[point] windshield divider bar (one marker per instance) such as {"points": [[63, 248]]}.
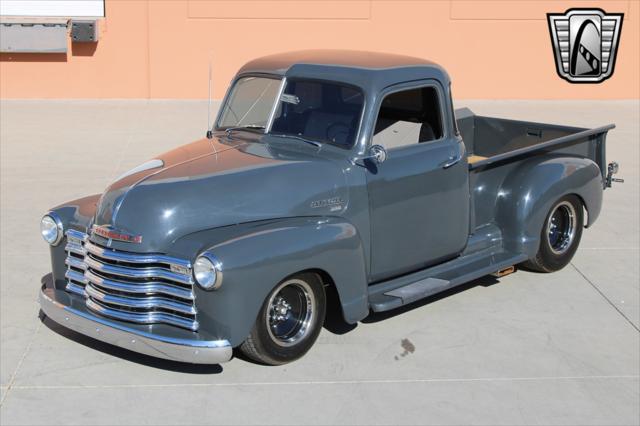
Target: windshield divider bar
{"points": [[272, 115]]}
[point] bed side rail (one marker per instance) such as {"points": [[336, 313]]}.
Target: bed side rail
{"points": [[598, 135]]}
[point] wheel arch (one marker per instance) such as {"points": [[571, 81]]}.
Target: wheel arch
{"points": [[335, 310], [589, 218]]}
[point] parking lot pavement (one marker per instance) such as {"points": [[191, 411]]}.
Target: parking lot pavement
{"points": [[528, 348]]}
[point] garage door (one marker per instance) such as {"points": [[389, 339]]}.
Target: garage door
{"points": [[62, 8]]}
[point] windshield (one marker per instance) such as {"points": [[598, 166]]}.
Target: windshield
{"points": [[310, 109], [250, 103]]}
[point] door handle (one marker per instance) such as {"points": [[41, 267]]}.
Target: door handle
{"points": [[452, 161]]}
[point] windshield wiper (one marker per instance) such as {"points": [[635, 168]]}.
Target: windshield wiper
{"points": [[229, 130], [300, 138]]}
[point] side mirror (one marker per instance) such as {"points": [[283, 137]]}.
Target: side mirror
{"points": [[378, 154]]}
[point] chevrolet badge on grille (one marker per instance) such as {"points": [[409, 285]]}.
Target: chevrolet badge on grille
{"points": [[110, 233]]}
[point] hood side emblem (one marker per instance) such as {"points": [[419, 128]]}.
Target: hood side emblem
{"points": [[111, 233], [334, 203]]}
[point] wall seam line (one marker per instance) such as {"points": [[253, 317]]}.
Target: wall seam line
{"points": [[148, 49]]}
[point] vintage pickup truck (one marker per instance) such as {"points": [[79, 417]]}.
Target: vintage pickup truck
{"points": [[326, 172]]}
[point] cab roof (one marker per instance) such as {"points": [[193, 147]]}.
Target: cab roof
{"points": [[368, 70]]}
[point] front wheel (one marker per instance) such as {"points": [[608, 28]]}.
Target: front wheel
{"points": [[289, 321], [560, 235]]}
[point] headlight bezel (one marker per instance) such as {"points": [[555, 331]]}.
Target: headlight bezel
{"points": [[214, 265], [59, 227]]}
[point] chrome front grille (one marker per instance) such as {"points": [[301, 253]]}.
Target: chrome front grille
{"points": [[140, 288]]}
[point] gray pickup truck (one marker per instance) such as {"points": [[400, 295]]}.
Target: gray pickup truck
{"points": [[328, 175]]}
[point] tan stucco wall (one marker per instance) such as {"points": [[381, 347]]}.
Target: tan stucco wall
{"points": [[161, 48]]}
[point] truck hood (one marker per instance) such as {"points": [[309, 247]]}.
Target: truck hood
{"points": [[219, 182]]}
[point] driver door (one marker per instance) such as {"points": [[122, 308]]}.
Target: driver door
{"points": [[419, 196]]}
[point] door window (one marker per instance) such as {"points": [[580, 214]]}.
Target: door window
{"points": [[409, 117]]}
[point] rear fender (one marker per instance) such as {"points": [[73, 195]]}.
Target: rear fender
{"points": [[528, 193], [254, 263]]}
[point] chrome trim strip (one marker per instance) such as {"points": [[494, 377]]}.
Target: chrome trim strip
{"points": [[120, 256], [137, 272], [184, 350], [75, 276], [139, 288], [143, 317], [75, 263], [74, 247], [76, 289], [140, 303], [77, 235]]}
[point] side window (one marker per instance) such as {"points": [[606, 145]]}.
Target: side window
{"points": [[408, 117]]}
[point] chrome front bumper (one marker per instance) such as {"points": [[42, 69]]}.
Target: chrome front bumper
{"points": [[185, 350]]}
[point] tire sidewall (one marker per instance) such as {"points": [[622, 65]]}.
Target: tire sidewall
{"points": [[553, 261]]}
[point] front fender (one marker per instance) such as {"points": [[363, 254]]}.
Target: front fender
{"points": [[528, 193], [261, 256], [76, 214]]}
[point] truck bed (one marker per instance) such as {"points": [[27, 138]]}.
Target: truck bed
{"points": [[490, 140]]}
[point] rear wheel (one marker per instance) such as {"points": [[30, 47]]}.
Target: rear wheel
{"points": [[289, 321], [560, 235]]}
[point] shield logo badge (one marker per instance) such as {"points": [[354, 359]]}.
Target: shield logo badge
{"points": [[585, 43]]}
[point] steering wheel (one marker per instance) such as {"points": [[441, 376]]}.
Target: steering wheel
{"points": [[337, 129]]}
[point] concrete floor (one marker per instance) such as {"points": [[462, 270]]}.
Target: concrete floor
{"points": [[558, 348]]}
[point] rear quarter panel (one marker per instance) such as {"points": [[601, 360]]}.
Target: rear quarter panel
{"points": [[527, 190]]}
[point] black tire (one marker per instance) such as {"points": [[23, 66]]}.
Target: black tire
{"points": [[278, 337], [560, 235]]}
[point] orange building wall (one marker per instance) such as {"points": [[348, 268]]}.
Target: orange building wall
{"points": [[162, 48]]}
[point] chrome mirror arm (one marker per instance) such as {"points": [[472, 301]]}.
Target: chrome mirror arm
{"points": [[377, 154]]}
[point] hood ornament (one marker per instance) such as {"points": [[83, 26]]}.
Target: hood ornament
{"points": [[111, 234]]}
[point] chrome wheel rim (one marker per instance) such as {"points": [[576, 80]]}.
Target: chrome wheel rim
{"points": [[561, 227], [290, 312]]}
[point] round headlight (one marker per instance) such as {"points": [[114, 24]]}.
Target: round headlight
{"points": [[207, 272], [51, 228]]}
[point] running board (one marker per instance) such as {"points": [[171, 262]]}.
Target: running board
{"points": [[401, 291], [418, 290]]}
